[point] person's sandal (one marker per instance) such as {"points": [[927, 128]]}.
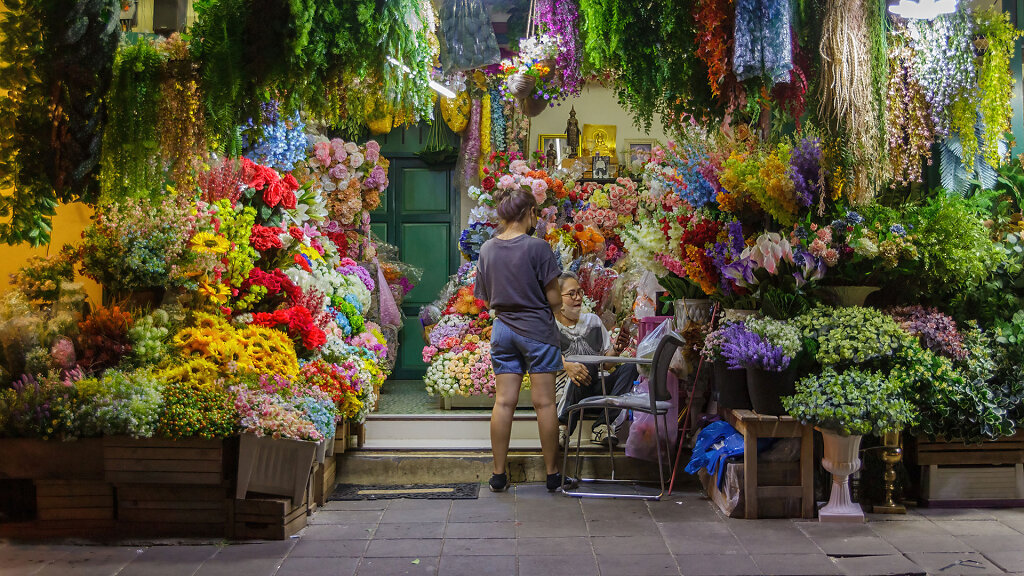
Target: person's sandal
{"points": [[556, 481], [498, 482]]}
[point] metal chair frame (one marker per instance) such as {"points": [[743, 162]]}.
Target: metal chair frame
{"points": [[658, 392]]}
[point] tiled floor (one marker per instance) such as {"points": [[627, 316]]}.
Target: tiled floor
{"points": [[531, 532]]}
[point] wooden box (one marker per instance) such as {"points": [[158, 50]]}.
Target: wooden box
{"points": [[267, 518], [973, 486], [32, 459], [172, 509], [325, 479], [160, 461], [1009, 450], [73, 500]]}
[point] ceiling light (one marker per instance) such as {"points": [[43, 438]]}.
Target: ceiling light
{"points": [[923, 9], [440, 88]]}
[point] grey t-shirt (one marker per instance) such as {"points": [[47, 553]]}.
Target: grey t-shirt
{"points": [[511, 276]]}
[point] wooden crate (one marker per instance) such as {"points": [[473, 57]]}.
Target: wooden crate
{"points": [[973, 486], [341, 437], [32, 459], [160, 461], [172, 509], [267, 518], [325, 479], [1009, 450], [74, 500]]}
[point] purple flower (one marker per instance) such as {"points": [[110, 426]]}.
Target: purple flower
{"points": [[805, 171], [741, 272], [898, 230], [742, 348]]}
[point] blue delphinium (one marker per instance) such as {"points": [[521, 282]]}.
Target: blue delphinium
{"points": [[282, 144], [473, 238]]}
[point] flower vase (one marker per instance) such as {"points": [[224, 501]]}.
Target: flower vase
{"points": [[321, 451], [840, 459], [550, 64], [521, 85], [329, 441], [738, 314], [731, 386], [691, 311], [850, 296], [277, 466], [767, 388]]}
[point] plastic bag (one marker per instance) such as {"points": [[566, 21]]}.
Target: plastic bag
{"points": [[642, 443], [597, 282], [647, 296], [389, 313], [647, 346], [469, 40]]}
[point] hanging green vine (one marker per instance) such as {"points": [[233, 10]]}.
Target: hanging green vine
{"points": [[995, 83], [55, 66], [131, 163]]}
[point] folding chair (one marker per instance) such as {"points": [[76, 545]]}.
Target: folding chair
{"points": [[656, 403]]}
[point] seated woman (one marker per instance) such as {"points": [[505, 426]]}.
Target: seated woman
{"points": [[585, 334]]}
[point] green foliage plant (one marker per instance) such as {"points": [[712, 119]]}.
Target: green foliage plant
{"points": [[55, 68], [119, 403], [851, 402], [995, 82], [850, 336]]}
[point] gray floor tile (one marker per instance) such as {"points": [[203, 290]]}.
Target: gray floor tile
{"points": [[479, 547], [346, 517], [953, 563], [908, 544], [354, 505], [575, 545], [855, 546], [413, 530], [415, 515], [328, 548], [265, 566], [612, 545], [795, 564], [339, 532], [397, 566], [477, 566], [956, 513], [504, 529], [407, 547], [167, 560], [824, 530], [686, 510], [641, 527], [92, 561], [551, 529], [895, 564], [976, 528], [275, 549], [770, 536], [709, 564], [638, 564], [477, 511], [1009, 560], [1012, 517], [700, 538], [907, 529], [985, 544], [567, 564], [535, 513], [318, 567], [21, 566], [420, 504]]}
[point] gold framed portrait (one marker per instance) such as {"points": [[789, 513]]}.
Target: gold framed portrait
{"points": [[598, 140], [637, 148], [556, 143]]}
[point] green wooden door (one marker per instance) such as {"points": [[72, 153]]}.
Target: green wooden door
{"points": [[420, 215]]}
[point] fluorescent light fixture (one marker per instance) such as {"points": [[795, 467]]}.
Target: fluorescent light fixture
{"points": [[923, 9], [440, 88]]}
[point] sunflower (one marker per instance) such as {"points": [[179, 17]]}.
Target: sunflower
{"points": [[217, 293], [208, 243]]}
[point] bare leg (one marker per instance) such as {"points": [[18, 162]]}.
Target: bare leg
{"points": [[542, 392], [506, 396]]}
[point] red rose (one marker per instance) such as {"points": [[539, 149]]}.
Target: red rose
{"points": [[273, 193], [579, 227], [288, 201], [290, 182], [295, 232], [488, 183]]}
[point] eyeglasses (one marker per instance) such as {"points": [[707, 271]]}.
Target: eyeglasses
{"points": [[574, 294]]}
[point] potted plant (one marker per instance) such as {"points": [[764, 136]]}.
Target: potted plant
{"points": [[766, 349], [689, 302], [731, 383], [844, 406], [849, 336], [777, 273]]}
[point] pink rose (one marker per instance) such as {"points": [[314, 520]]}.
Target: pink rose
{"points": [[519, 167], [506, 182], [339, 172], [322, 151], [539, 187], [372, 155], [373, 145]]}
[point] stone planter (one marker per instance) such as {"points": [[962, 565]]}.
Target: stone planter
{"points": [[692, 310], [766, 390], [276, 466], [850, 296], [737, 314], [840, 459]]}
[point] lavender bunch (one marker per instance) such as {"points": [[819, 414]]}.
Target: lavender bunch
{"points": [[805, 171], [745, 349]]}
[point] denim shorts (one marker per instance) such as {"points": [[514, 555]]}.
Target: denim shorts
{"points": [[512, 353]]}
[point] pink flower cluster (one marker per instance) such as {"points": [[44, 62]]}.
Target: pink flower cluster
{"points": [[605, 220]]}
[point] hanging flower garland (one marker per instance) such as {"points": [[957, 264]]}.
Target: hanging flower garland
{"points": [[560, 18], [790, 95], [761, 46], [471, 145], [714, 21], [498, 128], [909, 129], [995, 83], [945, 63], [485, 129]]}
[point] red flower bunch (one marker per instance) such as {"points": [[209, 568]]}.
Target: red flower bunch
{"points": [[103, 338], [487, 183], [299, 323], [276, 190], [264, 238], [275, 282], [790, 95], [330, 378]]}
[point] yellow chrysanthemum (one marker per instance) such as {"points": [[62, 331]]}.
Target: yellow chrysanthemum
{"points": [[209, 243]]}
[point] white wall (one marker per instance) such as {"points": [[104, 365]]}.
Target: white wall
{"points": [[595, 105]]}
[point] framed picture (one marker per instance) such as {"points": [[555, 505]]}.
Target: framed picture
{"points": [[602, 166], [554, 148], [639, 148], [599, 140]]}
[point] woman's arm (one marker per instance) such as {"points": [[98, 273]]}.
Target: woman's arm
{"points": [[554, 295]]}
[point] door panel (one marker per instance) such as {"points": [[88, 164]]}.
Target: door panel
{"points": [[423, 191], [427, 246]]}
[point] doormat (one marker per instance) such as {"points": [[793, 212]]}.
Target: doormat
{"points": [[468, 491]]}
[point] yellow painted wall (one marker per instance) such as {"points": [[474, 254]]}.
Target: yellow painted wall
{"points": [[145, 19]]}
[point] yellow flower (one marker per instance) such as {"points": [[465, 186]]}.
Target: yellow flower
{"points": [[207, 243], [310, 252], [217, 293]]}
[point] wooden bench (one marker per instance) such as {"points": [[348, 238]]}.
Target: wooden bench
{"points": [[754, 426]]}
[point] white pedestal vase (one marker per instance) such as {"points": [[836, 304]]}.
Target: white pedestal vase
{"points": [[841, 460]]}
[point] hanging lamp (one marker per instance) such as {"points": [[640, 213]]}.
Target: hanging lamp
{"points": [[923, 9]]}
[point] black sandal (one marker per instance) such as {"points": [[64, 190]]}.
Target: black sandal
{"points": [[498, 482]]}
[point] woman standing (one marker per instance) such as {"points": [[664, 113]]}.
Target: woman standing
{"points": [[517, 276]]}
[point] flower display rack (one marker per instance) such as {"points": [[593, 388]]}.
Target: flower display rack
{"points": [[63, 501], [325, 478], [986, 474], [160, 461], [172, 509], [267, 518]]}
